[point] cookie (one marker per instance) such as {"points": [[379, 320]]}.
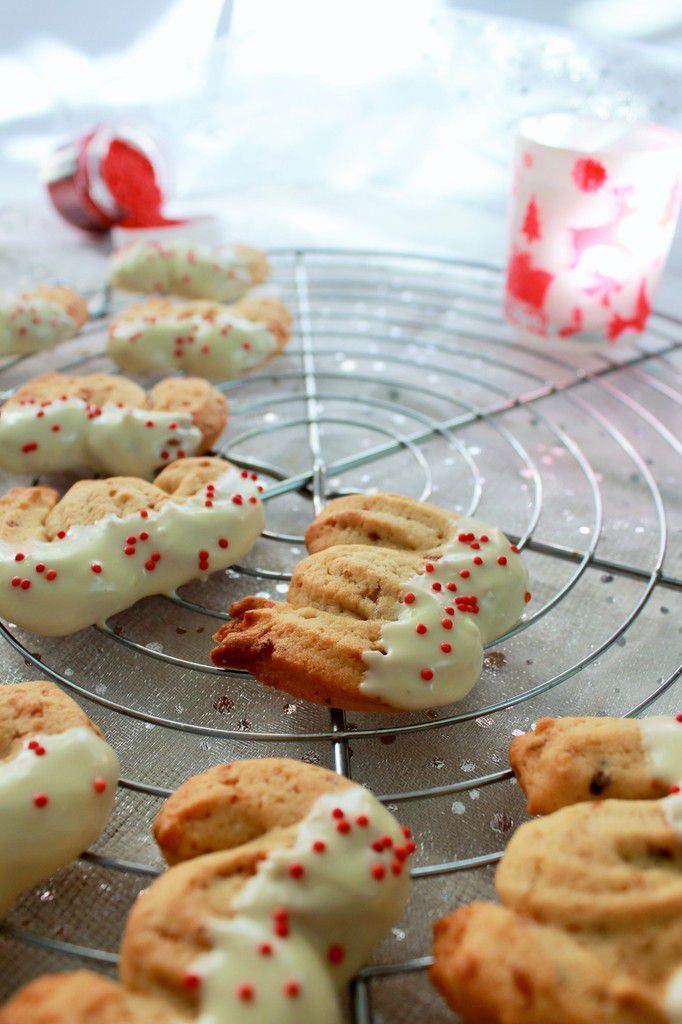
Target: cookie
{"points": [[203, 338], [186, 268], [58, 780], [82, 997], [101, 421], [39, 319], [592, 929], [286, 877], [66, 564], [568, 760], [390, 611]]}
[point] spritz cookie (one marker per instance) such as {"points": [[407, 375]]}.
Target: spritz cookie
{"points": [[189, 269], [390, 611], [107, 424], [203, 338], [71, 562], [285, 877], [39, 319], [58, 780]]}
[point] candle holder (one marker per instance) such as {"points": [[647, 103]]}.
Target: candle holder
{"points": [[594, 207]]}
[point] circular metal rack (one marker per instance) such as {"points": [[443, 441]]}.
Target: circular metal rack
{"points": [[402, 376]]}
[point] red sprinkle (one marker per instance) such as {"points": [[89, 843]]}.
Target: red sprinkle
{"points": [[409, 598], [502, 560], [191, 981], [244, 992], [343, 827], [396, 867], [61, 534], [96, 567], [30, 446], [16, 581], [446, 623], [296, 870], [446, 648], [237, 499], [436, 586], [41, 800], [130, 550], [19, 557], [478, 560], [421, 629], [338, 813], [426, 674], [515, 549], [144, 535], [25, 584], [378, 871], [319, 846], [223, 542], [99, 785], [465, 574], [292, 989], [429, 567], [362, 820], [265, 949], [335, 954], [51, 574], [40, 567], [527, 597], [452, 587]]}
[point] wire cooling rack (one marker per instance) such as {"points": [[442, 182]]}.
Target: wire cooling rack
{"points": [[401, 376]]}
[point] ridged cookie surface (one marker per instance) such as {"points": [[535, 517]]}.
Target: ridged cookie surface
{"points": [[390, 611]]}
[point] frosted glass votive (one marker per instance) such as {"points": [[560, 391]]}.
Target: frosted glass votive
{"points": [[594, 207]]}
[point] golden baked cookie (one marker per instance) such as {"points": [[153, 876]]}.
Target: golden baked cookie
{"points": [[590, 930], [68, 563], [107, 423], [82, 997], [389, 612], [190, 269], [593, 898], [39, 319], [280, 862], [206, 338], [568, 760], [58, 780]]}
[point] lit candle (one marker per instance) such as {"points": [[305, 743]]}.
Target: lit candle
{"points": [[593, 214]]}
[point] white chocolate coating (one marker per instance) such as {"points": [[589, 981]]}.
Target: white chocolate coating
{"points": [[673, 998], [334, 902], [178, 267], [32, 325], [219, 349], [234, 962], [95, 578], [66, 434], [662, 742], [76, 777], [498, 593]]}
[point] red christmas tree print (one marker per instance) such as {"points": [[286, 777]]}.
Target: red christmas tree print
{"points": [[531, 222], [589, 175]]}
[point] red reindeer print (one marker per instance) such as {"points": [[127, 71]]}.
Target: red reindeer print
{"points": [[601, 234], [637, 322], [575, 326], [531, 222], [602, 287], [589, 175]]}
